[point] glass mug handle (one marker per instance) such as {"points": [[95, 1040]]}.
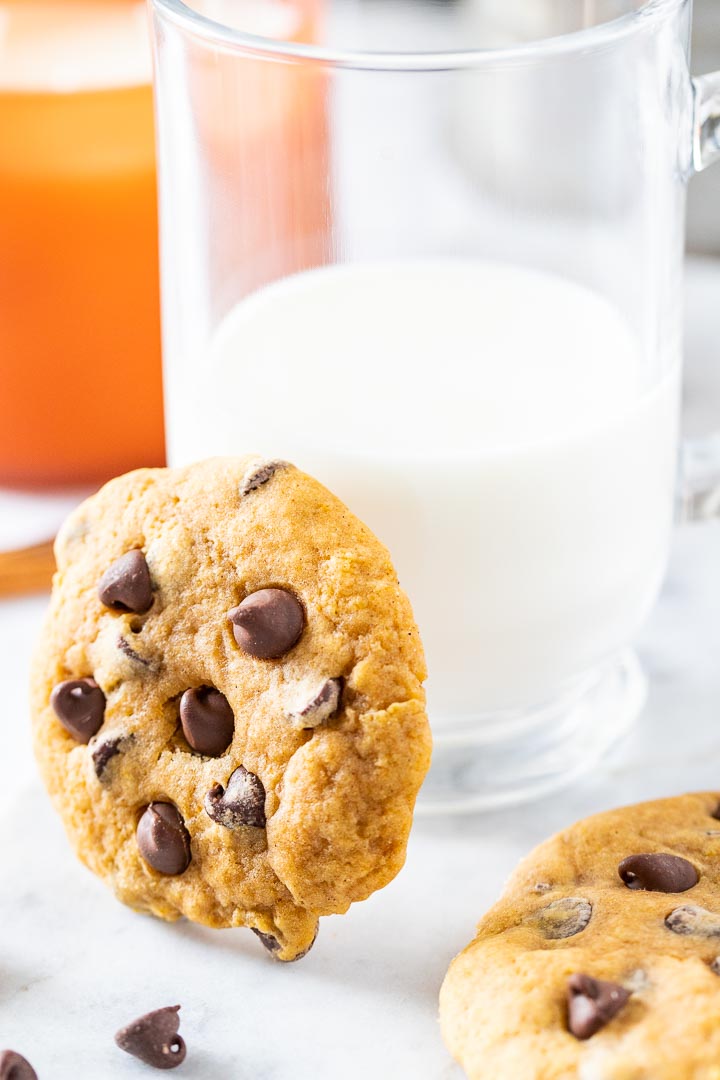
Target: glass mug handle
{"points": [[700, 458]]}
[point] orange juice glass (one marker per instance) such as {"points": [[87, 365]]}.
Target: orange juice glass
{"points": [[80, 370]]}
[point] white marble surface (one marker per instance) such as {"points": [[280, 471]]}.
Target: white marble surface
{"points": [[75, 965]]}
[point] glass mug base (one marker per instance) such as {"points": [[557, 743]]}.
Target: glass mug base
{"points": [[502, 759]]}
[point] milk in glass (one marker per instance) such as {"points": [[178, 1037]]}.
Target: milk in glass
{"points": [[494, 426]]}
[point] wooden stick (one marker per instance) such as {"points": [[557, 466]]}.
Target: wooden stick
{"points": [[27, 570]]}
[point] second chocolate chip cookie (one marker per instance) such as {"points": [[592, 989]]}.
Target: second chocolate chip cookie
{"points": [[602, 959]]}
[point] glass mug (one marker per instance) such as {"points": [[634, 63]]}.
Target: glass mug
{"points": [[432, 253]]}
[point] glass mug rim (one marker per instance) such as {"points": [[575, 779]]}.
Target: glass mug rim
{"points": [[601, 36]]}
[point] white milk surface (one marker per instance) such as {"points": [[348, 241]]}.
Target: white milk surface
{"points": [[494, 426]]}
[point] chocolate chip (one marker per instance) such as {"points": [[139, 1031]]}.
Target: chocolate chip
{"points": [[273, 945], [163, 839], [322, 707], [716, 812], [592, 1003], [242, 803], [207, 720], [267, 623], [154, 1038], [658, 873], [79, 705], [15, 1067], [126, 584], [715, 966], [125, 647], [257, 476], [103, 752], [563, 918], [692, 921]]}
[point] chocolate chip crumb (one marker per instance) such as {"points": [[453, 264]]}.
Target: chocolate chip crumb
{"points": [[271, 943], [563, 918], [257, 476], [323, 706], [691, 921], [658, 873], [242, 803], [592, 1003], [273, 946], [104, 752], [126, 648], [14, 1066], [154, 1038]]}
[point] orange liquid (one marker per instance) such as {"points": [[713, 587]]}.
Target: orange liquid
{"points": [[80, 373], [80, 366]]}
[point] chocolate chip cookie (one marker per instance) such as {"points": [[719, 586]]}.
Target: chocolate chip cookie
{"points": [[602, 959], [227, 698]]}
